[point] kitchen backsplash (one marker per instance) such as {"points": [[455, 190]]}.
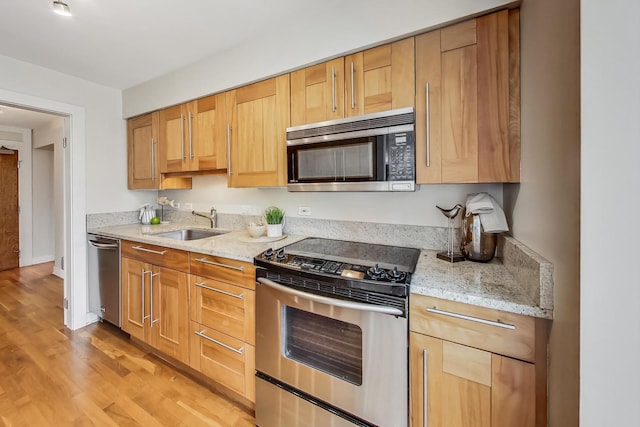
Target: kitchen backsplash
{"points": [[423, 237]]}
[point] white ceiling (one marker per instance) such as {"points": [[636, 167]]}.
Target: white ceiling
{"points": [[122, 43], [21, 118]]}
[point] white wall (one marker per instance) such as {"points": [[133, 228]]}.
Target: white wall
{"points": [[333, 27], [546, 205], [610, 284], [105, 136], [43, 205], [412, 208]]}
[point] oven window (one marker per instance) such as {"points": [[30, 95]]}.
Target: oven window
{"points": [[323, 343]]}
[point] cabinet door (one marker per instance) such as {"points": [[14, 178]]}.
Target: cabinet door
{"points": [[455, 385], [455, 388], [135, 297], [380, 79], [468, 101], [173, 153], [209, 134], [317, 93], [258, 140], [143, 152], [169, 315]]}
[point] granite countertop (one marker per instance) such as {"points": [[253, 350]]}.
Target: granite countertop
{"points": [[233, 245], [489, 285], [518, 280]]}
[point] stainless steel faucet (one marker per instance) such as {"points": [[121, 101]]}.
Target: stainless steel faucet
{"points": [[213, 216]]}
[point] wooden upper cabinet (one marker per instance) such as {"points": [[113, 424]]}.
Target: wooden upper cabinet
{"points": [[380, 79], [260, 116], [192, 136], [468, 101], [377, 79], [143, 156], [317, 93]]}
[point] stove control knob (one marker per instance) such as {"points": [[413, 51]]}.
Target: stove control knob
{"points": [[268, 253], [280, 253]]}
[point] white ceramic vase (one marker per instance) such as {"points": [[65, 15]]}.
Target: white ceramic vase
{"points": [[274, 230]]}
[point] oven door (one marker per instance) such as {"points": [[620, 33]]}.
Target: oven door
{"points": [[347, 355]]}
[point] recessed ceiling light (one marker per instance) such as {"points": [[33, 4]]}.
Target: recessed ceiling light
{"points": [[61, 8]]}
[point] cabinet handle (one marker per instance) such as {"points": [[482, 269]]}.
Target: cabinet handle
{"points": [[427, 113], [143, 317], [190, 136], [153, 159], [221, 344], [498, 324], [202, 285], [425, 388], [353, 90], [140, 248], [228, 149], [151, 299], [333, 89], [233, 267], [182, 137]]}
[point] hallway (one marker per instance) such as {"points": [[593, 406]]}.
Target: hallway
{"points": [[51, 376]]}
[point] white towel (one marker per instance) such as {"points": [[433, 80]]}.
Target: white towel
{"points": [[491, 214]]}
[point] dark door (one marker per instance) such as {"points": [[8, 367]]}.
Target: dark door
{"points": [[9, 225]]}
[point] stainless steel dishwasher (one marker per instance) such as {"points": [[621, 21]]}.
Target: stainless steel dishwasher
{"points": [[104, 277]]}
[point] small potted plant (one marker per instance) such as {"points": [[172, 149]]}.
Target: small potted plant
{"points": [[274, 217]]}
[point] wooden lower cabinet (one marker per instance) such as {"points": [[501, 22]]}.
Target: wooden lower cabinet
{"points": [[155, 306], [468, 387], [459, 379], [222, 332], [226, 360]]}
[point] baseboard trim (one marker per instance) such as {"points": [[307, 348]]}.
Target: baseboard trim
{"points": [[42, 259], [58, 272]]}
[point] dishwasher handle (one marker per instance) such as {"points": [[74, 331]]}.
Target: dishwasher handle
{"points": [[100, 245]]}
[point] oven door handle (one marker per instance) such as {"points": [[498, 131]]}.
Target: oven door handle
{"points": [[331, 301]]}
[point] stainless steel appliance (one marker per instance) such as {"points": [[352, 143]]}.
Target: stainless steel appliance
{"points": [[104, 277], [374, 152], [332, 334]]}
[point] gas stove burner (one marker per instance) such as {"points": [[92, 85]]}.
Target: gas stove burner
{"points": [[377, 273], [397, 276]]}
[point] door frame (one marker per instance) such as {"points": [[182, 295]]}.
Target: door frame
{"points": [[76, 312]]}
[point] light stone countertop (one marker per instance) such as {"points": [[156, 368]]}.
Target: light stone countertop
{"points": [[523, 284], [488, 285], [232, 245]]}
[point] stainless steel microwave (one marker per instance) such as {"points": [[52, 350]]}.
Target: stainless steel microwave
{"points": [[373, 152]]}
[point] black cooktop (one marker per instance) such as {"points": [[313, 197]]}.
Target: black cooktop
{"points": [[339, 259]]}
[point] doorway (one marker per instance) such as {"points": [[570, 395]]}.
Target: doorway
{"points": [[74, 211], [9, 224]]}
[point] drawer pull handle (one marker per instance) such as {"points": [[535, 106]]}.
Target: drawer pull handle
{"points": [[235, 350], [498, 324], [233, 267], [202, 285], [140, 248]]}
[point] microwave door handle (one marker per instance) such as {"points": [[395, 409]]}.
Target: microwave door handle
{"points": [[344, 166], [331, 301]]}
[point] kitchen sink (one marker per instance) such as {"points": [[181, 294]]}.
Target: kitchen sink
{"points": [[190, 234]]}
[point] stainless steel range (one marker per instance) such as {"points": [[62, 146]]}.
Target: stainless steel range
{"points": [[332, 334]]}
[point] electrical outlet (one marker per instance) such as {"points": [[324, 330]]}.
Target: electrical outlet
{"points": [[188, 206], [304, 211]]}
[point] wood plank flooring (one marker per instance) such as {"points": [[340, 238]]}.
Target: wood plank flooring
{"points": [[51, 376]]}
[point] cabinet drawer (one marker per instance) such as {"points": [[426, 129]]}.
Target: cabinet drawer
{"points": [[496, 331], [157, 255], [224, 359], [227, 308], [224, 269]]}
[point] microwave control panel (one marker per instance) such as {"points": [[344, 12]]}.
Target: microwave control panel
{"points": [[402, 161]]}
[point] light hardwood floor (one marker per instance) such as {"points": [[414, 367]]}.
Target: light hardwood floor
{"points": [[51, 376]]}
